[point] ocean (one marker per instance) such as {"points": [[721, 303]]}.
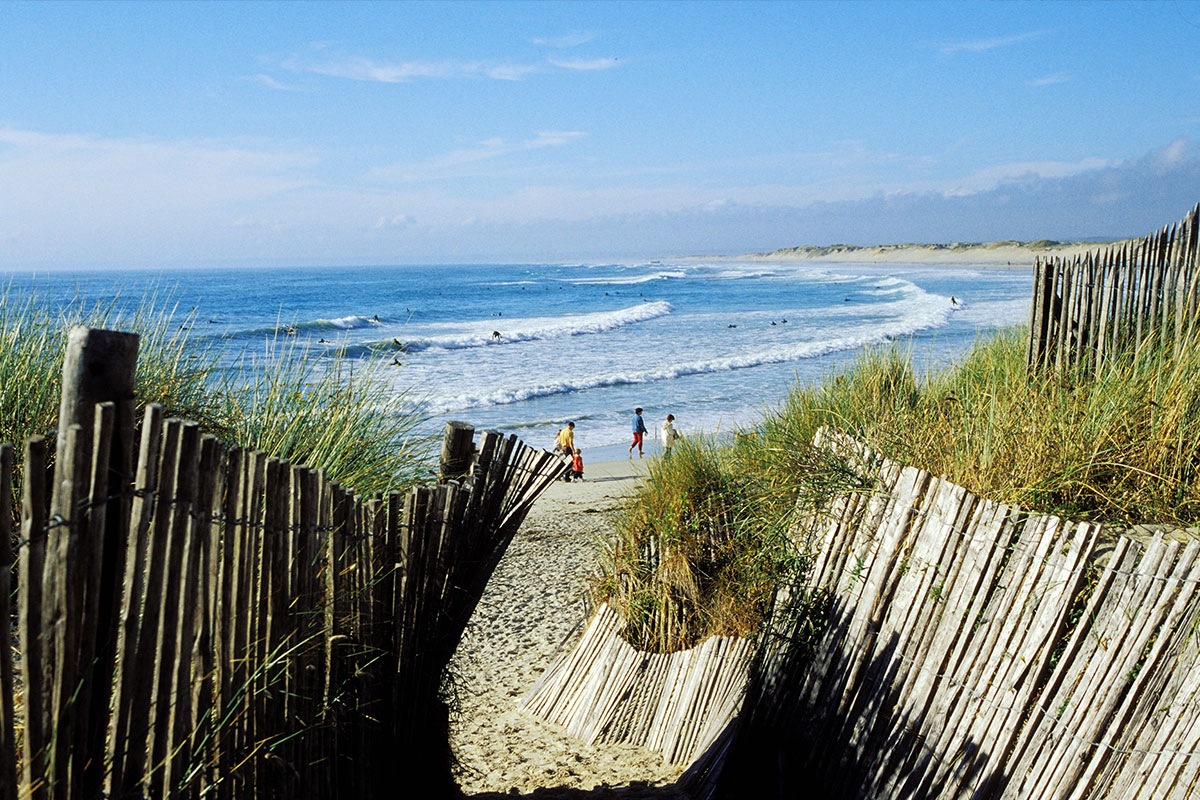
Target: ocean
{"points": [[524, 348]]}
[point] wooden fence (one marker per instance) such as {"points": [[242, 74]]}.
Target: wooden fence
{"points": [[604, 690], [1118, 299], [966, 649], [202, 622]]}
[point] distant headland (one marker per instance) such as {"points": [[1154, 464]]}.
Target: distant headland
{"points": [[979, 253]]}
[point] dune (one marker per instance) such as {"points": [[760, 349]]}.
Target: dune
{"points": [[1004, 253]]}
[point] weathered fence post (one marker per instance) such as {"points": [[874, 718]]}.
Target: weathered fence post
{"points": [[458, 446], [99, 367]]}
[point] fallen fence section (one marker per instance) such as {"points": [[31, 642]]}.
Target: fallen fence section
{"points": [[208, 622], [1117, 300], [967, 649], [604, 690]]}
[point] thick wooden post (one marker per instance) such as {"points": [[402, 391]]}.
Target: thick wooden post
{"points": [[99, 367], [458, 446]]}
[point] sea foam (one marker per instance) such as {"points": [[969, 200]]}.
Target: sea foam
{"points": [[347, 323], [531, 329], [917, 312]]}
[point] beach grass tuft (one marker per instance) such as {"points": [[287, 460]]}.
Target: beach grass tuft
{"points": [[705, 540], [283, 399]]}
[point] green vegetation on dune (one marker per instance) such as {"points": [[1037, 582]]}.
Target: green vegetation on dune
{"points": [[283, 401], [704, 541], [1039, 247]]}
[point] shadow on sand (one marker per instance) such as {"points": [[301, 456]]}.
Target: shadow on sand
{"points": [[634, 791], [820, 724]]}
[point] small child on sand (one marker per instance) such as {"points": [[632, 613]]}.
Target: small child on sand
{"points": [[577, 465]]}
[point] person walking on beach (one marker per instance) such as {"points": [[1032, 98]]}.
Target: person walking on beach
{"points": [[669, 434], [577, 464], [639, 430], [564, 442]]}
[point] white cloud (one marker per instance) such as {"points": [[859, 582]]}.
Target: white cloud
{"points": [[366, 69], [249, 222], [551, 139], [272, 83], [993, 43], [989, 178], [107, 198], [81, 199], [358, 68], [1050, 80], [586, 63], [1173, 153], [569, 40], [446, 166], [511, 72], [188, 172], [397, 221]]}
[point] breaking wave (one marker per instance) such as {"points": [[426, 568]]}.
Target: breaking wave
{"points": [[349, 323], [521, 330], [617, 280], [921, 311]]}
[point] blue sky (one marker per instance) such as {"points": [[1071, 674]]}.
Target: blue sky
{"points": [[169, 134]]}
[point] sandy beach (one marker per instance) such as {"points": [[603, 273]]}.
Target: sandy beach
{"points": [[999, 254], [533, 606]]}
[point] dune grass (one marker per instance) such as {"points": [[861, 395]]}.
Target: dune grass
{"points": [[701, 547], [282, 400], [704, 542]]}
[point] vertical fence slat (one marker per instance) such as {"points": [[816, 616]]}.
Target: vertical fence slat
{"points": [[227, 614], [136, 573], [173, 614], [1106, 301], [308, 557], [8, 740], [29, 578], [1187, 245], [206, 647], [252, 652], [94, 682], [60, 608]]}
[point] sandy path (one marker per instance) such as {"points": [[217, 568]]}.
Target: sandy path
{"points": [[532, 605]]}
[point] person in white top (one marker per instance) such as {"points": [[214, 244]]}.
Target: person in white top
{"points": [[669, 434]]}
